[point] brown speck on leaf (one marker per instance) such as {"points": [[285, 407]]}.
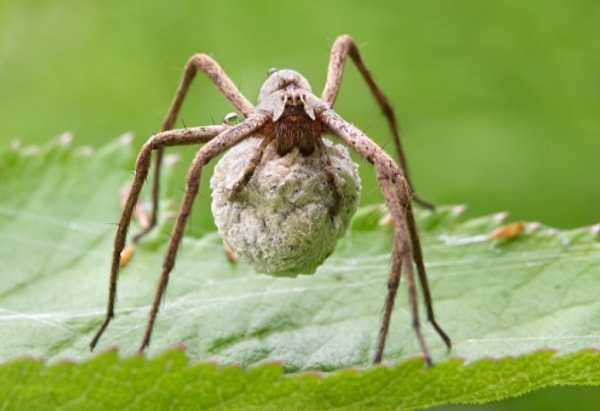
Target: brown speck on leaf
{"points": [[508, 231]]}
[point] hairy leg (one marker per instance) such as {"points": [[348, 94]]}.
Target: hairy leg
{"points": [[343, 47], [406, 246], [194, 135], [214, 72], [209, 151]]}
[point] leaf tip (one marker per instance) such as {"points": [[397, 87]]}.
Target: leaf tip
{"points": [[172, 159], [67, 361], [422, 357], [354, 368], [180, 347], [125, 139], [460, 358], [275, 361], [458, 209], [500, 216], [65, 138], [383, 364], [15, 144], [33, 357], [112, 348], [316, 373]]}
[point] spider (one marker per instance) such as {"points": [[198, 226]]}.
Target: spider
{"points": [[290, 117]]}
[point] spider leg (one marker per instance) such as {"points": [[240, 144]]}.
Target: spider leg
{"points": [[388, 305], [343, 47], [396, 199], [214, 72], [406, 245], [253, 163], [209, 151], [194, 135], [418, 259]]}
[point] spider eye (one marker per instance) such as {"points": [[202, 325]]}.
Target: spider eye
{"points": [[271, 71]]}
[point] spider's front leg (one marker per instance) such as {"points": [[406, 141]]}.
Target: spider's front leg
{"points": [[406, 244], [194, 135], [419, 263], [343, 47], [212, 149], [397, 196], [213, 71]]}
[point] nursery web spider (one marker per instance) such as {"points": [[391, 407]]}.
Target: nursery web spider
{"points": [[291, 117]]}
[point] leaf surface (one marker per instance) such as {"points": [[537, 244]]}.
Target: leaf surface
{"points": [[523, 312]]}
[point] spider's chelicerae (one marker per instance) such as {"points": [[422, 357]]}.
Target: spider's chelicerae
{"points": [[288, 119]]}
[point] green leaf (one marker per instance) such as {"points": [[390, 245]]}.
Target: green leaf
{"points": [[522, 312], [104, 382]]}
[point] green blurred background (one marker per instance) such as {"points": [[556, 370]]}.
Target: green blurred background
{"points": [[499, 101]]}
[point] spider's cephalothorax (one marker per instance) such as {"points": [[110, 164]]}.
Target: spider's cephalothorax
{"points": [[291, 117], [291, 110], [288, 96]]}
